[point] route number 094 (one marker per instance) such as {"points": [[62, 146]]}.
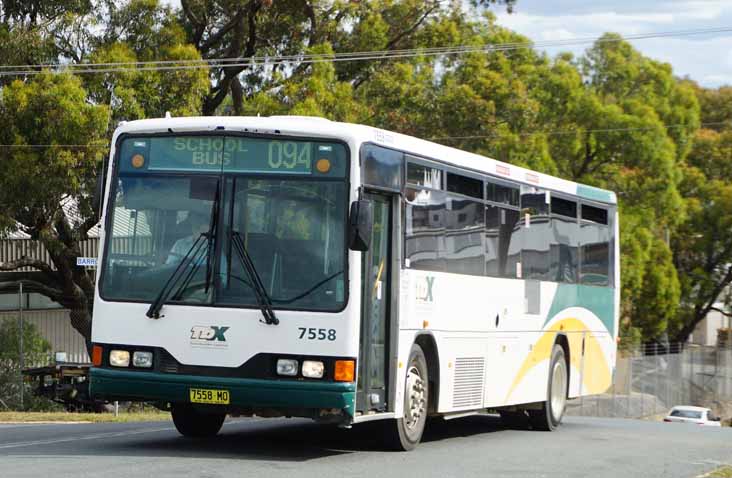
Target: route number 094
{"points": [[289, 155], [317, 334]]}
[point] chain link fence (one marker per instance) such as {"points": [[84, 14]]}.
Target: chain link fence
{"points": [[650, 380]]}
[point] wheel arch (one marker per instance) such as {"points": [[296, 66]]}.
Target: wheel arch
{"points": [[429, 346]]}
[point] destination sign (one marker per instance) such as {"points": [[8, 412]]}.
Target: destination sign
{"points": [[233, 154]]}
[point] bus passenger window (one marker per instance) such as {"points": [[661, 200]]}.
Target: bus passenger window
{"points": [[425, 229], [464, 185], [501, 194], [420, 175], [564, 241], [536, 233], [595, 250], [381, 167], [464, 241], [503, 243]]}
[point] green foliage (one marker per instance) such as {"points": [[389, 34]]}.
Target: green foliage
{"points": [[703, 247], [659, 295], [35, 353], [630, 337], [143, 30], [702, 244], [51, 111], [716, 106], [35, 347]]}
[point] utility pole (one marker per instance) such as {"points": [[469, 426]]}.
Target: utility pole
{"points": [[20, 343]]}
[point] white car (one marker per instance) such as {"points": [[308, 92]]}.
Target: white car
{"points": [[696, 415]]}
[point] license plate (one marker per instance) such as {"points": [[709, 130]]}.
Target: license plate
{"points": [[204, 395]]}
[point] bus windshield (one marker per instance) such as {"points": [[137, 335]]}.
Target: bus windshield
{"points": [[283, 201]]}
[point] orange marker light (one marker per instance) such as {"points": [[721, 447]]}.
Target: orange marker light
{"points": [[138, 161], [345, 371], [322, 165], [97, 355]]}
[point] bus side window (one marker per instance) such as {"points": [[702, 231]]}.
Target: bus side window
{"points": [[595, 241], [503, 244], [535, 230], [464, 241], [564, 262], [425, 229], [457, 183], [381, 167], [421, 175]]}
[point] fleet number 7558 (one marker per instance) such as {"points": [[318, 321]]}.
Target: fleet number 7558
{"points": [[313, 333]]}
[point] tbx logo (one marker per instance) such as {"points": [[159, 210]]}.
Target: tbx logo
{"points": [[424, 289], [210, 333]]}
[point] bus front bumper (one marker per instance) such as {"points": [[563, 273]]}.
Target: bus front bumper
{"points": [[245, 393]]}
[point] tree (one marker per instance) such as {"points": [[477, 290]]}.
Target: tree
{"points": [[47, 183], [25, 29], [224, 29], [702, 245]]}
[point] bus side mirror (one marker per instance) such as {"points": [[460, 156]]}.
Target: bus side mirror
{"points": [[360, 225], [98, 197]]}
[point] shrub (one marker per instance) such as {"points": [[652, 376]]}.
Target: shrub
{"points": [[35, 350]]}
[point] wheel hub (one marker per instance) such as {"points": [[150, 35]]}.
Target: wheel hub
{"points": [[559, 389], [415, 400]]}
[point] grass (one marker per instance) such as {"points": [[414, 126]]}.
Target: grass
{"points": [[123, 417], [721, 472]]}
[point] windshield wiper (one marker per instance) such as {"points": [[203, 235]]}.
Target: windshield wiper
{"points": [[192, 255], [263, 299], [211, 237], [309, 291]]}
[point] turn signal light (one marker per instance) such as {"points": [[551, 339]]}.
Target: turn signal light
{"points": [[345, 371], [97, 355]]}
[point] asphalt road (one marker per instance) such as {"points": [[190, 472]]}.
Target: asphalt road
{"points": [[477, 446]]}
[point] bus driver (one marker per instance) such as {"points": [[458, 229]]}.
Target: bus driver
{"points": [[198, 224]]}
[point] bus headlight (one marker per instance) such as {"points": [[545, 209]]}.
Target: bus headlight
{"points": [[287, 367], [312, 369], [119, 358], [142, 359]]}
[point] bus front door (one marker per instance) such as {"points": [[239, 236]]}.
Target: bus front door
{"points": [[373, 350]]}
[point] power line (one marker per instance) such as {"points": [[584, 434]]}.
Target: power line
{"points": [[583, 131], [524, 133], [164, 65], [70, 146]]}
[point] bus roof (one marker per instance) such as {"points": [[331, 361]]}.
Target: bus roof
{"points": [[324, 128]]}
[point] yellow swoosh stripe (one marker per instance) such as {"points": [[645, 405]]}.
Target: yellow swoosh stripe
{"points": [[596, 375]]}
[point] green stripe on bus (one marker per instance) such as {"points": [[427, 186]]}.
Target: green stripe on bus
{"points": [[596, 194], [599, 300]]}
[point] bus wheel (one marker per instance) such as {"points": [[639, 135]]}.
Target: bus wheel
{"points": [[193, 423], [408, 430], [548, 417]]}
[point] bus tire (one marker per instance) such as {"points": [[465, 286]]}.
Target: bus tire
{"points": [[549, 416], [406, 431], [192, 423]]}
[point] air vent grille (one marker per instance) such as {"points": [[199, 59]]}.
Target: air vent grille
{"points": [[468, 386]]}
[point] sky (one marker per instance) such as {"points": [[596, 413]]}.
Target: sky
{"points": [[706, 59]]}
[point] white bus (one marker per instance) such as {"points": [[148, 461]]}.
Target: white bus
{"points": [[292, 266]]}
